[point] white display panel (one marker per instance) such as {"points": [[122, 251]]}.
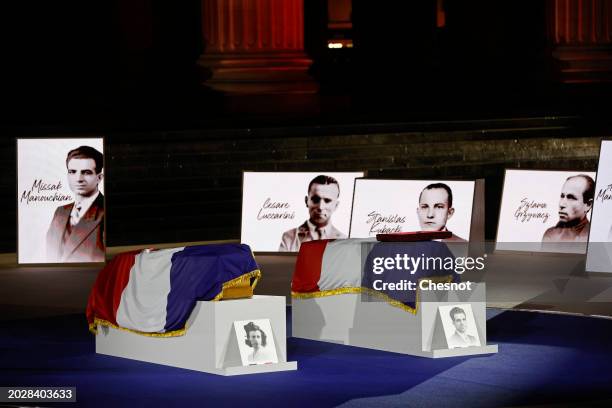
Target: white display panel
{"points": [[44, 193], [542, 211], [387, 206], [599, 254], [276, 208]]}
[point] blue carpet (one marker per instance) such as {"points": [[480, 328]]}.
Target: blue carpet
{"points": [[543, 358]]}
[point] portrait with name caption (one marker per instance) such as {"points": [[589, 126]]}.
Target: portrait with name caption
{"points": [[280, 211], [60, 200], [546, 211], [392, 206]]}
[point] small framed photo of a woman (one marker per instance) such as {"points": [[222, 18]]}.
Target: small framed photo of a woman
{"points": [[256, 342]]}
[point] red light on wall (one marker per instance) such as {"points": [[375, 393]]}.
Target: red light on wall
{"points": [[440, 14]]}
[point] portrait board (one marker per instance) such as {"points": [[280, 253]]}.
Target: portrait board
{"points": [[281, 210], [545, 211], [255, 342], [599, 253], [60, 204], [390, 206], [459, 326]]}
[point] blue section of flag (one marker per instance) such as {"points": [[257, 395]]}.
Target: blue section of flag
{"points": [[198, 273], [421, 249]]}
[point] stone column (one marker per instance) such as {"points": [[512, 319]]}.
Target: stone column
{"points": [[255, 47], [580, 32]]}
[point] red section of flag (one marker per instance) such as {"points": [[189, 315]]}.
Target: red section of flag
{"points": [[308, 267], [106, 293]]}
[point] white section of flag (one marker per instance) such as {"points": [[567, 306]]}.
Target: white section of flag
{"points": [[341, 264], [145, 298]]}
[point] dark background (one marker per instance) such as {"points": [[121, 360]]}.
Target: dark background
{"points": [[411, 100]]}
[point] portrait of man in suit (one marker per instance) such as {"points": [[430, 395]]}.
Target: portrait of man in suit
{"points": [[436, 208], [76, 233], [322, 202], [575, 202], [460, 338]]}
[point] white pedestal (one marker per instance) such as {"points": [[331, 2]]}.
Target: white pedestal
{"points": [[210, 343], [348, 319]]}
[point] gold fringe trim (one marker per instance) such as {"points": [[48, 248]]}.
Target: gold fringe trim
{"points": [[93, 327], [106, 323], [330, 292], [375, 293], [240, 281]]}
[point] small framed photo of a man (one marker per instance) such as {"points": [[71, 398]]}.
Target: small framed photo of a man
{"points": [[61, 211], [459, 326], [255, 342]]}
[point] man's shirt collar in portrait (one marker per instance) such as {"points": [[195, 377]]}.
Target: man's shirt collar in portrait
{"points": [[319, 233], [84, 206], [464, 336], [577, 227]]}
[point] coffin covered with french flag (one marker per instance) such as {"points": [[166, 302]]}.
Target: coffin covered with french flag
{"points": [[153, 292], [336, 267]]}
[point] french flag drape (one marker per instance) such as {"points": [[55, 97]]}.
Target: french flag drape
{"points": [[153, 292], [328, 267]]}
